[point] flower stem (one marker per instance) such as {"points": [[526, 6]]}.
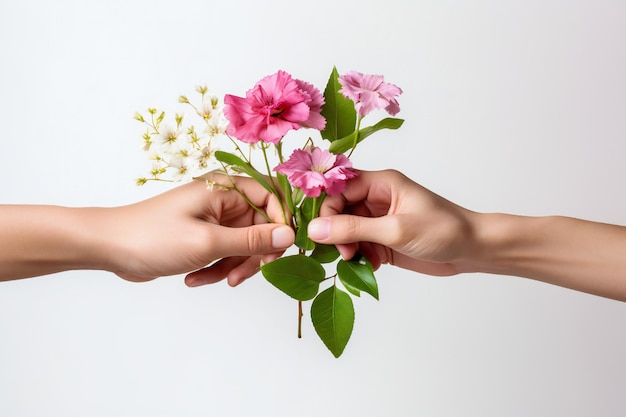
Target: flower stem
{"points": [[300, 319], [238, 149], [244, 196], [279, 151], [300, 252], [276, 193], [356, 135], [317, 204]]}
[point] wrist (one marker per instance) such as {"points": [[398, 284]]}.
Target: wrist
{"points": [[503, 243]]}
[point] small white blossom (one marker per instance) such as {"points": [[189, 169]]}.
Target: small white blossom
{"points": [[180, 168], [216, 126], [169, 135]]}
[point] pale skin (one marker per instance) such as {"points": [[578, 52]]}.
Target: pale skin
{"points": [[391, 219], [182, 231]]}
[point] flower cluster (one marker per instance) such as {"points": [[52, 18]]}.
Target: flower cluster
{"points": [[179, 152], [274, 106]]}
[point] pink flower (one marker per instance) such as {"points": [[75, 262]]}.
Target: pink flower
{"points": [[315, 170], [370, 92], [275, 105]]}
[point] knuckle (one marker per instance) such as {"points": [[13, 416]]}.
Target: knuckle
{"points": [[256, 240]]}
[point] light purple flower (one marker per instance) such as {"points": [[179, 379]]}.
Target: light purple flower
{"points": [[315, 170], [370, 92]]}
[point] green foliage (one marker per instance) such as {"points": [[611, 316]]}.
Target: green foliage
{"points": [[359, 275], [344, 143], [286, 188], [233, 160], [332, 313], [298, 276], [325, 253], [302, 236], [338, 110]]}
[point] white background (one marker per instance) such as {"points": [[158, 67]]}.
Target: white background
{"points": [[515, 106]]}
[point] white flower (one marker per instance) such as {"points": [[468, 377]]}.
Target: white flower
{"points": [[205, 110], [158, 168], [216, 126], [169, 135], [180, 168]]}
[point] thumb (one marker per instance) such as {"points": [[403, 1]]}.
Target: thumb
{"points": [[253, 240], [345, 228]]}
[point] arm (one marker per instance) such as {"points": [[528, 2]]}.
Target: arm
{"points": [[572, 253], [176, 232], [391, 219]]}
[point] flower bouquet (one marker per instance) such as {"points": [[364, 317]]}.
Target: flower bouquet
{"points": [[252, 126]]}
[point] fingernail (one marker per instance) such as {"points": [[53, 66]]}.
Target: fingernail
{"points": [[282, 237], [319, 229]]}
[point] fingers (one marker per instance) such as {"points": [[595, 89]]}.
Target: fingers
{"points": [[346, 229], [252, 240], [369, 194], [236, 269]]}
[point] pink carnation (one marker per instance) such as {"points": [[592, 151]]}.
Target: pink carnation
{"points": [[315, 170], [277, 104], [370, 92]]}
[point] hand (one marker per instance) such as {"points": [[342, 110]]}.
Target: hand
{"points": [[189, 227], [390, 219]]}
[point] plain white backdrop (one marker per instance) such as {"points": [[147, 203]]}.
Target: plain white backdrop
{"points": [[515, 106]]}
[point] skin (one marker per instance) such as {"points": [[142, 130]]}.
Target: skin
{"points": [[180, 231], [392, 220]]}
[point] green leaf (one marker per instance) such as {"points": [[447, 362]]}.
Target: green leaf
{"points": [[302, 237], [286, 187], [302, 234], [332, 313], [351, 289], [338, 110], [345, 143], [230, 159], [325, 253], [358, 274], [307, 209], [298, 276], [297, 196]]}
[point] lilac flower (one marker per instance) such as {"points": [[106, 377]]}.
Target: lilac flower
{"points": [[370, 92]]}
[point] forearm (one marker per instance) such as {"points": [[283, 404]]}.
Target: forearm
{"points": [[577, 254], [39, 240]]}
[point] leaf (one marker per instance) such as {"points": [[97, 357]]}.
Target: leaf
{"points": [[298, 276], [354, 291], [286, 187], [230, 159], [345, 143], [358, 274], [332, 313], [325, 253], [302, 237], [302, 233], [338, 110]]}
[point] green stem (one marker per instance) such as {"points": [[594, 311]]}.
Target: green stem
{"points": [[276, 193], [301, 252], [356, 135], [244, 196], [279, 151], [317, 204], [238, 149]]}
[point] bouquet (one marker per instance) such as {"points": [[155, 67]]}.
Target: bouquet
{"points": [[248, 136]]}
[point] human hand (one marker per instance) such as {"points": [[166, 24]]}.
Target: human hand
{"points": [[390, 219], [189, 227]]}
